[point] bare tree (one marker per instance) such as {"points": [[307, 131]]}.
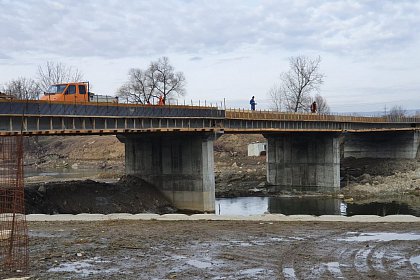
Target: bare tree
{"points": [[56, 73], [302, 79], [276, 96], [397, 112], [139, 89], [165, 80], [322, 106], [159, 80], [22, 88]]}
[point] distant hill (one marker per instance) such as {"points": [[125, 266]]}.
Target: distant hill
{"points": [[377, 113]]}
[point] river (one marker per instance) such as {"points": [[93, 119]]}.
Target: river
{"points": [[288, 205], [314, 206]]}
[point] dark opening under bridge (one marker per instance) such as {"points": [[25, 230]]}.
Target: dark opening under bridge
{"points": [[172, 146]]}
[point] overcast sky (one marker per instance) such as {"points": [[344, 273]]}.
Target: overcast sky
{"points": [[231, 50]]}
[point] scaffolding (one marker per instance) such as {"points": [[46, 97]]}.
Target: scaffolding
{"points": [[14, 255]]}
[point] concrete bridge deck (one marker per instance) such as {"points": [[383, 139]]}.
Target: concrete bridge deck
{"points": [[44, 118]]}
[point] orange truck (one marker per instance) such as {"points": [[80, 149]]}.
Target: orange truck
{"points": [[75, 92]]}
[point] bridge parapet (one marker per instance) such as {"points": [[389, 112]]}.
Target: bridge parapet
{"points": [[46, 118], [46, 108], [43, 117], [245, 121], [289, 116]]}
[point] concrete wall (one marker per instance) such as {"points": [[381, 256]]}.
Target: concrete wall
{"points": [[396, 144], [257, 149], [303, 161], [180, 165]]}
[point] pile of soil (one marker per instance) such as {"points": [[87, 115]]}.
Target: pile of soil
{"points": [[372, 177], [129, 195], [352, 168]]}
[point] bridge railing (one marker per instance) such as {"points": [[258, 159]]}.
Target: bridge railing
{"points": [[290, 116], [200, 110], [46, 108]]}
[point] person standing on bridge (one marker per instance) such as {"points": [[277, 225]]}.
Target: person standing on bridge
{"points": [[252, 102], [161, 100], [313, 107]]}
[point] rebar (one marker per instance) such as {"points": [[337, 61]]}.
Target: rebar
{"points": [[14, 255]]}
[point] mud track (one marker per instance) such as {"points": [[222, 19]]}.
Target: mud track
{"points": [[224, 250]]}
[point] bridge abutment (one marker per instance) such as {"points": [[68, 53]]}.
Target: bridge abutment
{"points": [[303, 161], [180, 165], [382, 144]]}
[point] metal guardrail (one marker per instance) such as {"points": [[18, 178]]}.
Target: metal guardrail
{"points": [[287, 116]]}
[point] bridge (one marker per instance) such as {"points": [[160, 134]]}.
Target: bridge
{"points": [[172, 146]]}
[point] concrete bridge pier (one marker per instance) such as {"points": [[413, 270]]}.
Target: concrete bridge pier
{"points": [[386, 144], [181, 165], [304, 161]]}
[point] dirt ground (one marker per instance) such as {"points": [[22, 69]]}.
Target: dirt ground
{"points": [[223, 250]]}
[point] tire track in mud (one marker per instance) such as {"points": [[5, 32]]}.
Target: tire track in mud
{"points": [[270, 255], [296, 268], [393, 259], [254, 264], [382, 259], [306, 254], [227, 250]]}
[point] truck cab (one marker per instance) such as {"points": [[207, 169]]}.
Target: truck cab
{"points": [[67, 92]]}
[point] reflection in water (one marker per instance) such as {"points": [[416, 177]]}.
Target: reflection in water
{"points": [[383, 209], [283, 205], [306, 205], [242, 205], [310, 206]]}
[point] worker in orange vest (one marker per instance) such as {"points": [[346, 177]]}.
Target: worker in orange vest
{"points": [[161, 100]]}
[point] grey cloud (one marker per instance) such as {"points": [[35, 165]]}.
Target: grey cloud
{"points": [[136, 28], [3, 56], [231, 59]]}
